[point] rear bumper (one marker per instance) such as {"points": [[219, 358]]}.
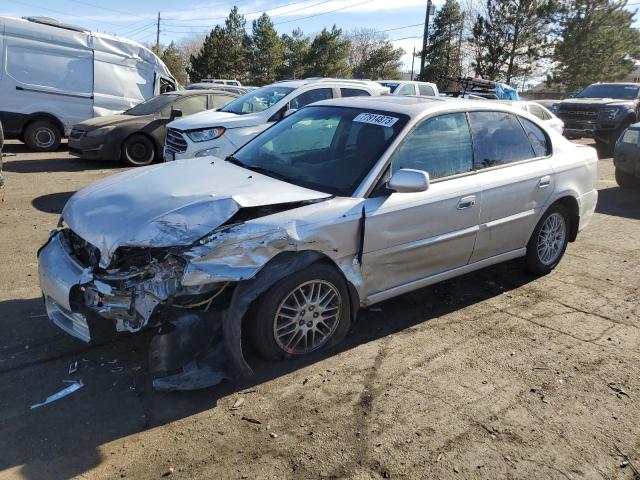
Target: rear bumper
{"points": [[587, 207]]}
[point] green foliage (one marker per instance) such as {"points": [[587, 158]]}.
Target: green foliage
{"points": [[295, 51], [371, 55], [597, 43], [267, 52], [173, 60], [237, 46], [210, 62], [443, 57], [512, 37], [327, 56]]}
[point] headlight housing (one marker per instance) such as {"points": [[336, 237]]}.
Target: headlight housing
{"points": [[205, 134], [98, 132], [609, 113]]}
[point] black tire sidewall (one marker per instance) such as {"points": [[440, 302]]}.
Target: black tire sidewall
{"points": [[626, 180], [261, 322], [132, 140], [532, 260], [32, 128]]}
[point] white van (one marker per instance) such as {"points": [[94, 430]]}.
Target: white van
{"points": [[54, 75]]}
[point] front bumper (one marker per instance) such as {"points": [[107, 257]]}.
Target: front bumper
{"points": [[220, 147], [95, 148], [590, 129], [59, 275]]}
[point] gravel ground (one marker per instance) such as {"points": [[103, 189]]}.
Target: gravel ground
{"points": [[496, 374]]}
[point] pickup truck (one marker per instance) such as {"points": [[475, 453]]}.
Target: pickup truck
{"points": [[601, 111]]}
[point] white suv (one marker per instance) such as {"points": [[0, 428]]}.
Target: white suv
{"points": [[407, 88], [221, 132]]}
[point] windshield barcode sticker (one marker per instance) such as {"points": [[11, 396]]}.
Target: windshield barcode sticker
{"points": [[375, 119]]}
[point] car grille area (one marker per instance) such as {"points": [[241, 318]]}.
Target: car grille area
{"points": [[77, 133], [175, 142], [573, 112]]}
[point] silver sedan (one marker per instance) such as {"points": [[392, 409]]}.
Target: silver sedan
{"points": [[343, 204]]}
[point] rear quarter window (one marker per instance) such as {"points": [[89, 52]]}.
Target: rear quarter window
{"points": [[354, 92]]}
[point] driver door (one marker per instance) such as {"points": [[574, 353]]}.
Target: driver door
{"points": [[412, 236]]}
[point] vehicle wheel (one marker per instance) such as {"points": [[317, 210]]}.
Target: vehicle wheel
{"points": [[548, 241], [138, 151], [626, 180], [42, 136], [300, 314]]}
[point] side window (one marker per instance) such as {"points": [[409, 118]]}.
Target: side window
{"points": [[407, 89], [220, 100], [426, 90], [538, 112], [311, 96], [440, 146], [498, 138], [537, 138], [192, 104], [354, 92]]}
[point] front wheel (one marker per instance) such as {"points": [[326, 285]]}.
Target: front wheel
{"points": [[301, 313], [43, 136], [548, 241], [626, 180], [138, 151]]}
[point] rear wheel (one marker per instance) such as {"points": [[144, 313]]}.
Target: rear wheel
{"points": [[548, 241], [138, 151], [43, 136], [626, 180], [300, 314]]}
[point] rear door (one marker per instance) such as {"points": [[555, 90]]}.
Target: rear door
{"points": [[411, 236], [512, 158]]}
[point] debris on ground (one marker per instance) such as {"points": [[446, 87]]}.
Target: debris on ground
{"points": [[540, 394], [75, 385], [619, 391], [168, 472], [251, 420], [626, 462], [237, 404], [273, 435]]}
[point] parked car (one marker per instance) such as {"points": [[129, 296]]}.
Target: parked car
{"points": [[626, 158], [56, 75], [539, 111], [322, 213], [549, 104], [402, 87], [601, 111], [209, 86], [221, 81], [137, 135], [221, 133]]}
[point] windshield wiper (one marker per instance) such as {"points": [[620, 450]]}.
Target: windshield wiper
{"points": [[268, 173], [235, 161]]}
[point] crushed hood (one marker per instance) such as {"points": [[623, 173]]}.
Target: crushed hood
{"points": [[211, 118], [171, 204]]}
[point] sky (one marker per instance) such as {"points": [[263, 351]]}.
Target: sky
{"points": [[137, 19], [402, 20]]}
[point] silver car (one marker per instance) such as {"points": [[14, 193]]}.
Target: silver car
{"points": [[341, 205]]}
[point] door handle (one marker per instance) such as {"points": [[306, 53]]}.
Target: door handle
{"points": [[544, 182], [467, 202]]}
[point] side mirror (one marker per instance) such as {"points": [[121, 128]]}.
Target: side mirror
{"points": [[289, 112], [175, 113], [407, 180]]}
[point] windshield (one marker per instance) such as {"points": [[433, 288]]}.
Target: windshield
{"points": [[392, 86], [153, 105], [257, 100], [619, 91], [330, 149]]}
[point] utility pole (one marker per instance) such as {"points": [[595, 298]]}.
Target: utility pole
{"points": [[413, 59], [425, 37], [158, 36]]}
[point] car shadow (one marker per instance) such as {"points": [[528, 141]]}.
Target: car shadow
{"points": [[15, 147], [59, 164], [66, 438], [52, 202], [619, 202]]}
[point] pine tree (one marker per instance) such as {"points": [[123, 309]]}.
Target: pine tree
{"points": [[512, 36], [443, 53], [173, 60], [598, 43], [328, 54], [237, 45], [371, 55], [210, 62], [296, 49], [266, 52]]}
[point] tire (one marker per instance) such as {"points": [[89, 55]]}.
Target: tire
{"points": [[43, 136], [626, 180], [138, 151], [551, 231], [277, 301]]}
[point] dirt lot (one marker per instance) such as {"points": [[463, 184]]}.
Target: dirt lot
{"points": [[494, 375]]}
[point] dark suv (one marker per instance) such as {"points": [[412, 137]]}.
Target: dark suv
{"points": [[601, 111]]}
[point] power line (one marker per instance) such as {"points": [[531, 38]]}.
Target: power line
{"points": [[107, 8], [324, 13]]}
